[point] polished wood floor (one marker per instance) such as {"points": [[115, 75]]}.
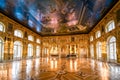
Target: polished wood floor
{"points": [[59, 69]]}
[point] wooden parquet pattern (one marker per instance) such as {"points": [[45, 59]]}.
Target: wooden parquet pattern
{"points": [[59, 69]]}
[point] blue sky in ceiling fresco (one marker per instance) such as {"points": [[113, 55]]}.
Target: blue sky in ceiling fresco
{"points": [[57, 16]]}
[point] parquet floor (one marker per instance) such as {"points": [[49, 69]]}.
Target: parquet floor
{"points": [[59, 69]]}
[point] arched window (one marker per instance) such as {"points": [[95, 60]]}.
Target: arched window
{"points": [[92, 50], [18, 33], [110, 26], [99, 50], [91, 38], [30, 50], [1, 49], [38, 41], [2, 27], [18, 50], [30, 38], [111, 49], [98, 34], [37, 51]]}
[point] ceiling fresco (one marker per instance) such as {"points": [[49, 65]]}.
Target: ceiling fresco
{"points": [[56, 17]]}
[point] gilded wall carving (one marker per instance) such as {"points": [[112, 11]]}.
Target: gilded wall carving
{"points": [[113, 14], [9, 38]]}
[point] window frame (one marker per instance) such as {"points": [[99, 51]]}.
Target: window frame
{"points": [[30, 38], [30, 50], [111, 50], [99, 49], [92, 50], [3, 27], [1, 48], [38, 41], [37, 51], [18, 33], [98, 34], [19, 46], [110, 26]]}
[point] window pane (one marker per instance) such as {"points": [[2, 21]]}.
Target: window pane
{"points": [[30, 38], [92, 51], [17, 49], [1, 27], [98, 34], [112, 39], [18, 33], [38, 40], [110, 26], [1, 50], [112, 48], [99, 51], [30, 50], [37, 51]]}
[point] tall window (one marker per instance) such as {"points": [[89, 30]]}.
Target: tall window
{"points": [[98, 34], [1, 49], [18, 33], [111, 48], [98, 50], [110, 26], [30, 38], [2, 28], [92, 50], [91, 38], [18, 50], [38, 41], [38, 51], [30, 50]]}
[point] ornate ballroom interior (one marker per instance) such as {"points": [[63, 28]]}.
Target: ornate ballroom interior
{"points": [[59, 39]]}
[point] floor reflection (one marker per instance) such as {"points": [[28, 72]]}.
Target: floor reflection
{"points": [[53, 64], [16, 68], [37, 64], [3, 72], [59, 69], [73, 65], [28, 66]]}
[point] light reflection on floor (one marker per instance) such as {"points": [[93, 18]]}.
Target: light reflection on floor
{"points": [[59, 69]]}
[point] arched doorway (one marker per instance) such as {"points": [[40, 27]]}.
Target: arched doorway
{"points": [[30, 51], [111, 49], [18, 47], [98, 50], [1, 49], [37, 51]]}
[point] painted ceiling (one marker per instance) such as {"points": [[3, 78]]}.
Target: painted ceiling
{"points": [[57, 17]]}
